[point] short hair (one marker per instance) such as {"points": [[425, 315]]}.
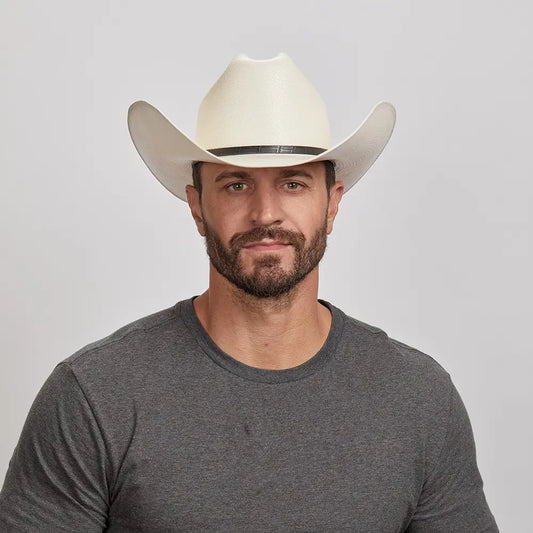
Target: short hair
{"points": [[197, 175]]}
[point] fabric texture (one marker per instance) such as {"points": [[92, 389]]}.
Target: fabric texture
{"points": [[155, 429]]}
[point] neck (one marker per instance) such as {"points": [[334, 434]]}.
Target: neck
{"points": [[272, 333]]}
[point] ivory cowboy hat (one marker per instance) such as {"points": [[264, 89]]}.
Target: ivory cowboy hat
{"points": [[260, 113]]}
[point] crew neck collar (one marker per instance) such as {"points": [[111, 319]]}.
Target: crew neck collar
{"points": [[186, 310]]}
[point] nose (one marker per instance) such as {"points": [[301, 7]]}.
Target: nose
{"points": [[265, 207]]}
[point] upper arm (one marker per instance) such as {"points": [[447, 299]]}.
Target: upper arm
{"points": [[452, 497], [56, 480]]}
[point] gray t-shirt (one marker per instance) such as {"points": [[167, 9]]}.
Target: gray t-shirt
{"points": [[155, 429]]}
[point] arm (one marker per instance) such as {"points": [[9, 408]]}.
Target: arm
{"points": [[56, 479], [452, 497]]}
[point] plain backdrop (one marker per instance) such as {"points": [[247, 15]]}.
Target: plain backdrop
{"points": [[433, 245]]}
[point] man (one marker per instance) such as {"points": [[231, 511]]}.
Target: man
{"points": [[253, 407]]}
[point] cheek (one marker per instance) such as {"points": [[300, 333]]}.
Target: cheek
{"points": [[319, 218], [223, 221], [305, 211]]}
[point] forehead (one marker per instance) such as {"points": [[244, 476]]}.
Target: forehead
{"points": [[312, 170]]}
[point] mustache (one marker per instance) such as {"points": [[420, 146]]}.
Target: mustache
{"points": [[266, 232]]}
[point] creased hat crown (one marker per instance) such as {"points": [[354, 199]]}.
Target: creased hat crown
{"points": [[259, 113], [262, 102]]}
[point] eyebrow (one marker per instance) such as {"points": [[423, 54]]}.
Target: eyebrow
{"points": [[236, 174], [290, 172], [285, 173]]}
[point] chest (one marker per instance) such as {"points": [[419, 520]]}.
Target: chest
{"points": [[277, 465]]}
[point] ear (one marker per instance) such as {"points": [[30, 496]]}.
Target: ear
{"points": [[335, 195], [193, 199]]}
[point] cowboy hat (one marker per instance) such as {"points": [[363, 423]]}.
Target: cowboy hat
{"points": [[259, 113]]}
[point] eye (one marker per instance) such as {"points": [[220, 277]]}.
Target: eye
{"points": [[237, 186], [293, 185]]}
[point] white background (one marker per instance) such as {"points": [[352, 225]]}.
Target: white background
{"points": [[433, 245]]}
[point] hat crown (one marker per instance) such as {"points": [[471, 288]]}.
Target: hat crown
{"points": [[262, 102]]}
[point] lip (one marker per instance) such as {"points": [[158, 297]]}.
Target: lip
{"points": [[265, 246]]}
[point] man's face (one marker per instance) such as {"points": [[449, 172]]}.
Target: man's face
{"points": [[265, 229]]}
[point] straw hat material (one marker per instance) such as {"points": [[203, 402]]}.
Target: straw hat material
{"points": [[259, 113]]}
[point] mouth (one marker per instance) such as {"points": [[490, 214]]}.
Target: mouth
{"points": [[265, 245]]}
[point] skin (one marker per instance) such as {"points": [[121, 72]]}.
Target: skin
{"points": [[271, 333]]}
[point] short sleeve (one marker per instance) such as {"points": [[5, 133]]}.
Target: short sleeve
{"points": [[452, 497], [56, 480]]}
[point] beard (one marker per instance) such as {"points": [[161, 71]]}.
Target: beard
{"points": [[267, 278]]}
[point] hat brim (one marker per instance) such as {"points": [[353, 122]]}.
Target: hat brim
{"points": [[169, 153]]}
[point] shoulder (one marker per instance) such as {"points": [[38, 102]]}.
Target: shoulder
{"points": [[393, 364], [132, 349], [142, 327]]}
